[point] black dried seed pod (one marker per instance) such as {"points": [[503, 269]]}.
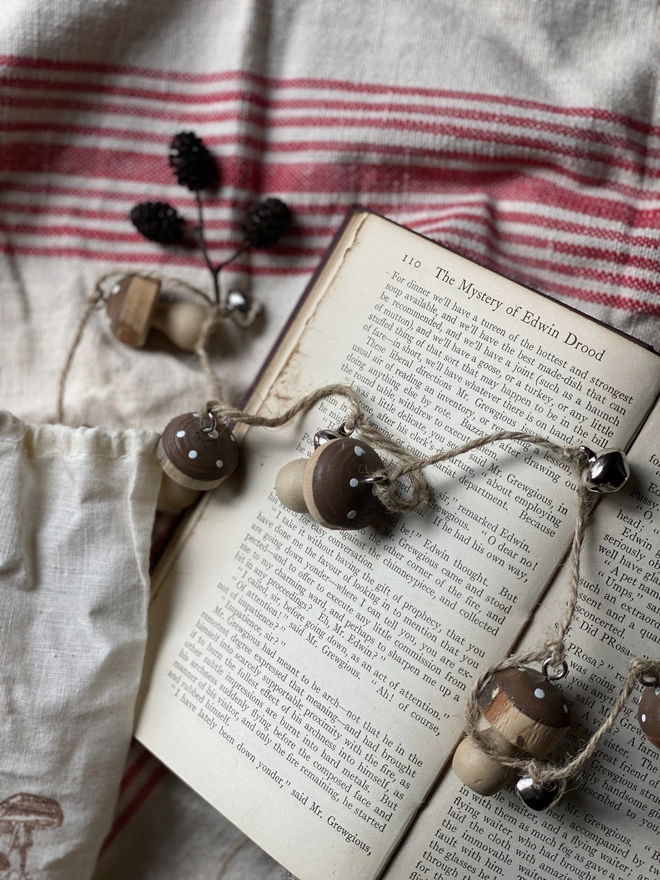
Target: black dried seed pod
{"points": [[266, 223], [191, 162], [158, 222]]}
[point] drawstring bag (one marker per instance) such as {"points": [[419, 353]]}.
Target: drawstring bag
{"points": [[77, 509]]}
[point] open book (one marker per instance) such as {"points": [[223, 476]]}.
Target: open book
{"points": [[310, 683]]}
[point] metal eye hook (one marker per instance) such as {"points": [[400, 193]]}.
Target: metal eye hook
{"points": [[327, 434], [209, 429], [557, 675], [377, 478], [649, 680]]}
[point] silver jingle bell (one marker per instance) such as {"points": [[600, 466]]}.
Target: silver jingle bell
{"points": [[539, 796], [241, 308], [606, 471]]}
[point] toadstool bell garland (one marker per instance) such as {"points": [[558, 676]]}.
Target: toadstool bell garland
{"points": [[515, 714]]}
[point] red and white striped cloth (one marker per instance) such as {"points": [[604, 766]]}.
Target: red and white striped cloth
{"points": [[522, 134]]}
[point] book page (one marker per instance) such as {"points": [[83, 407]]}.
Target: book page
{"points": [[609, 824], [309, 682]]}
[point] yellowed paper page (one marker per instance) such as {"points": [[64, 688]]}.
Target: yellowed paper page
{"points": [[608, 825]]}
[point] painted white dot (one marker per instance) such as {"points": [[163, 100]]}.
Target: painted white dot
{"points": [[213, 435], [351, 514], [180, 433], [219, 463], [196, 415], [232, 438], [565, 708], [540, 693], [115, 289], [353, 482], [643, 718], [192, 454], [359, 450]]}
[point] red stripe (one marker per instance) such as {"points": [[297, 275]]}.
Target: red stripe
{"points": [[90, 234], [509, 267], [590, 273], [514, 143], [96, 90], [510, 263], [33, 63], [324, 105], [429, 227], [140, 797], [89, 192], [371, 123], [615, 301], [153, 259], [622, 258], [523, 189], [305, 177], [432, 214], [131, 772], [556, 246]]}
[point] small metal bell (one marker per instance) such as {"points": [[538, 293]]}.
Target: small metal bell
{"points": [[241, 308], [540, 796], [606, 471], [327, 434]]}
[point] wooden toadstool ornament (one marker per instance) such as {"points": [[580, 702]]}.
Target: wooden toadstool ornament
{"points": [[335, 484], [196, 454], [134, 307], [648, 714], [523, 714]]}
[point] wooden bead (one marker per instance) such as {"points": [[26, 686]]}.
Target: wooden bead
{"points": [[527, 712], [194, 457], [334, 488], [483, 774], [181, 322], [289, 485], [131, 306], [648, 715]]}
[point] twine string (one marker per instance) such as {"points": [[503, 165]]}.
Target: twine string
{"points": [[411, 466], [552, 650]]}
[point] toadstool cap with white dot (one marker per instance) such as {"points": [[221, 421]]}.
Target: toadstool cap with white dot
{"points": [[194, 457], [334, 488], [529, 692], [648, 714]]}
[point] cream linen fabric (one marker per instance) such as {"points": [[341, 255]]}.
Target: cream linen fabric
{"points": [[76, 514], [522, 133]]}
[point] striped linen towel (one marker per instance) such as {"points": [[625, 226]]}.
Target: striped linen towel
{"points": [[521, 134]]}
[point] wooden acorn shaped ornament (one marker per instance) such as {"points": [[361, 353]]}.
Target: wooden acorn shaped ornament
{"points": [[333, 484], [523, 714], [134, 307], [195, 454]]}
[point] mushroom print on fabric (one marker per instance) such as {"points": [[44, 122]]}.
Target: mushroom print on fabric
{"points": [[20, 816]]}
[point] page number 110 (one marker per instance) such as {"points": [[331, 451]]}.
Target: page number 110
{"points": [[411, 261]]}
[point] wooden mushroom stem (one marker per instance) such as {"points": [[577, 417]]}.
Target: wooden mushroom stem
{"points": [[134, 306]]}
